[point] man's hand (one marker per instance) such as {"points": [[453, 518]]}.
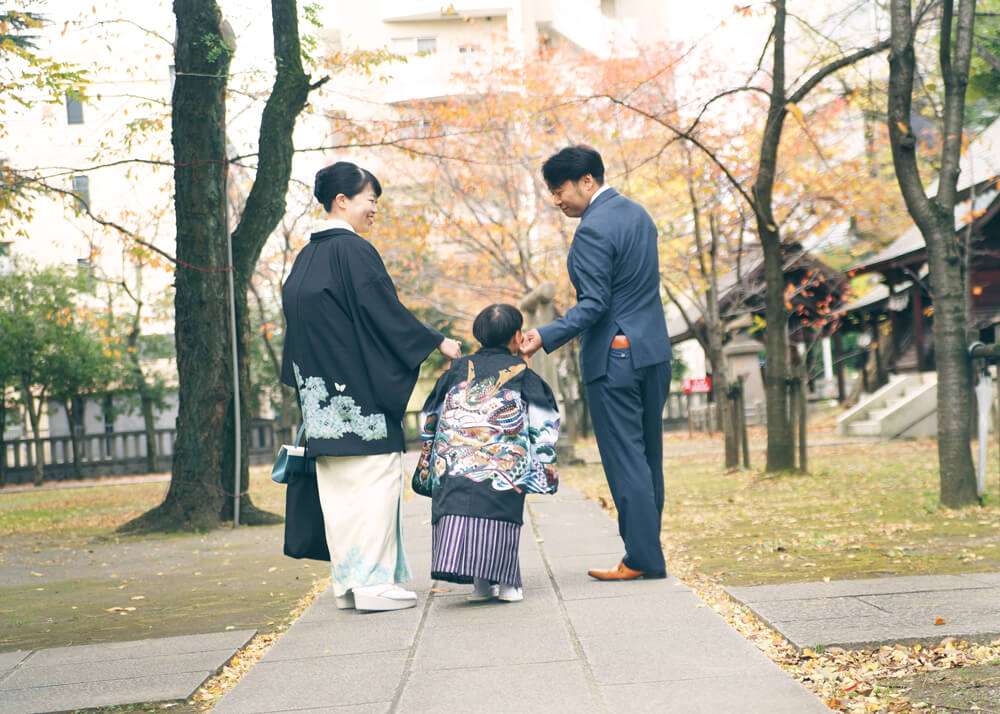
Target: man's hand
{"points": [[452, 349], [531, 342]]}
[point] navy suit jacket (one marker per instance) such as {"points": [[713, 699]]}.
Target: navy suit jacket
{"points": [[614, 265]]}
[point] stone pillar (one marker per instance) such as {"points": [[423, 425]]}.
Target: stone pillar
{"points": [[742, 357]]}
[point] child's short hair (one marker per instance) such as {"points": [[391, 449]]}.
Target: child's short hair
{"points": [[497, 324]]}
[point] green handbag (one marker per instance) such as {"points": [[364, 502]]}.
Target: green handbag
{"points": [[290, 464]]}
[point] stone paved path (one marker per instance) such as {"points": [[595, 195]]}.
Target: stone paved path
{"points": [[855, 614], [67, 678], [573, 645]]}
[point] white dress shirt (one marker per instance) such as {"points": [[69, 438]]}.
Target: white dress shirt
{"points": [[598, 192]]}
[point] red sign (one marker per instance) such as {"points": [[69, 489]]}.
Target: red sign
{"points": [[700, 385]]}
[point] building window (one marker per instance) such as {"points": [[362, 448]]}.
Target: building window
{"points": [[81, 189], [74, 108], [414, 45], [469, 49], [5, 249]]}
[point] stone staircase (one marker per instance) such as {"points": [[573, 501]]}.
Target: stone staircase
{"points": [[905, 407]]}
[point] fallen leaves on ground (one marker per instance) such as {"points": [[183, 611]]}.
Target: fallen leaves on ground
{"points": [[209, 694], [847, 680], [848, 520]]}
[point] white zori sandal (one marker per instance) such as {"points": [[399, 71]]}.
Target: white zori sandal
{"points": [[510, 593], [482, 590], [383, 597], [345, 601]]}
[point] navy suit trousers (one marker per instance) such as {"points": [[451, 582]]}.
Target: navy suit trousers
{"points": [[626, 408]]}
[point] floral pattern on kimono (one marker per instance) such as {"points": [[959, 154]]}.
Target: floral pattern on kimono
{"points": [[329, 417]]}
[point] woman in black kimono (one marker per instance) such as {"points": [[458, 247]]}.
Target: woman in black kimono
{"points": [[353, 353]]}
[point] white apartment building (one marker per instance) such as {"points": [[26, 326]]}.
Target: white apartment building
{"points": [[440, 38]]}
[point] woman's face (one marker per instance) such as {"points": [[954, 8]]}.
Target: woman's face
{"points": [[358, 211]]}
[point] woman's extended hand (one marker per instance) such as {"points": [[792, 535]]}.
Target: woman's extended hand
{"points": [[452, 349]]}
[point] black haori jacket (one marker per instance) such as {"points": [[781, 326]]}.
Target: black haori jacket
{"points": [[351, 350], [489, 434]]}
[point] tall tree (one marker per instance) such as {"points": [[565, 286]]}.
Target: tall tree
{"points": [[935, 217], [38, 336], [200, 493], [783, 97]]}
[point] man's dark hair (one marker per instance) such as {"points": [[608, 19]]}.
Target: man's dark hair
{"points": [[345, 178], [497, 324], [572, 164]]}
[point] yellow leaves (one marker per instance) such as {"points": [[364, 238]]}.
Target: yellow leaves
{"points": [[796, 111]]}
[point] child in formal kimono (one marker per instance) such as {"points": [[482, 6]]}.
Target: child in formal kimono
{"points": [[489, 432]]}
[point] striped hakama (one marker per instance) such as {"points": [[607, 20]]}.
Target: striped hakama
{"points": [[465, 548]]}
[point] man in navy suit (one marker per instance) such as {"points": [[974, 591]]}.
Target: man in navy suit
{"points": [[625, 351]]}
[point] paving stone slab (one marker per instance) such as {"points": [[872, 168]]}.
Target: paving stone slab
{"points": [[570, 574], [827, 608], [484, 645], [324, 681], [640, 613], [68, 697], [372, 708], [137, 649], [865, 633], [992, 579], [33, 676], [744, 694], [325, 608], [710, 649], [557, 651], [324, 638], [985, 602], [552, 688], [905, 610], [539, 606], [9, 660], [846, 588], [583, 545]]}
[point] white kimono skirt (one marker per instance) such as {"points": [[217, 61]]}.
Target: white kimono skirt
{"points": [[361, 497]]}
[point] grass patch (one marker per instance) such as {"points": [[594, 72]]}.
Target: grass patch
{"points": [[69, 578], [864, 510]]}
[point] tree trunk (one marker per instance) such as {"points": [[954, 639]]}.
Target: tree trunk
{"points": [[780, 441], [780, 446], [264, 208], [35, 417], [955, 405], [194, 499], [935, 218], [72, 419], [726, 407], [149, 424], [3, 429]]}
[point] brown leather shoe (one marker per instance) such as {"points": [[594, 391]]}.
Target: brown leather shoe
{"points": [[622, 572]]}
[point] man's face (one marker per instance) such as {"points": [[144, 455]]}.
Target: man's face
{"points": [[573, 197]]}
